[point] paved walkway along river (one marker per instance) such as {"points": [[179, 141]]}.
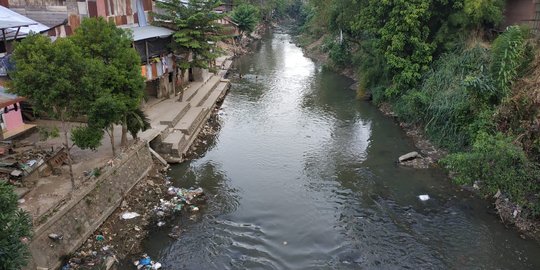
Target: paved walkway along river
{"points": [[303, 176]]}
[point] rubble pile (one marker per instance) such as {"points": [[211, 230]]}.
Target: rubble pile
{"points": [[20, 159]]}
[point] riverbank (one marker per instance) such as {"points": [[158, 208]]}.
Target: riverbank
{"points": [[119, 241], [508, 212]]}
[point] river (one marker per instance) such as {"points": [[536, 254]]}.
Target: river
{"points": [[303, 176]]}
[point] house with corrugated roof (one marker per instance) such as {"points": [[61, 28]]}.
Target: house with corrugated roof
{"points": [[61, 18]]}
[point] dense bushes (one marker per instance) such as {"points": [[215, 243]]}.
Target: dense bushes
{"points": [[447, 101], [500, 165]]}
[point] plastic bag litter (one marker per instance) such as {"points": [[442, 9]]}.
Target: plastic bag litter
{"points": [[423, 197], [129, 215], [146, 263]]}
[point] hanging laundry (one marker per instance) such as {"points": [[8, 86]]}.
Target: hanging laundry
{"points": [[164, 65], [144, 71]]}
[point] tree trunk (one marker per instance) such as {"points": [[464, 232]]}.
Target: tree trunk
{"points": [[124, 140], [174, 81], [183, 74], [111, 135], [66, 145]]}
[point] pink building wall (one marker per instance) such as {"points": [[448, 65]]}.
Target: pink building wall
{"points": [[12, 119]]}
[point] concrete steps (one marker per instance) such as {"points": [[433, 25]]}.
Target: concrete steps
{"points": [[215, 95], [175, 124], [174, 142], [173, 114], [194, 88], [204, 91], [193, 118], [154, 132]]}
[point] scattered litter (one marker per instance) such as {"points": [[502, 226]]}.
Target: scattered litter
{"points": [[21, 201], [129, 215], [181, 198], [423, 197], [16, 173], [31, 163], [146, 263], [285, 243], [55, 236], [160, 223], [175, 232]]}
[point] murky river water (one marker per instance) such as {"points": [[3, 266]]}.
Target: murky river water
{"points": [[303, 176]]}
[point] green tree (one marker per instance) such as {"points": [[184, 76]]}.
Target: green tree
{"points": [[137, 120], [121, 78], [246, 16], [15, 227], [53, 76], [197, 30]]}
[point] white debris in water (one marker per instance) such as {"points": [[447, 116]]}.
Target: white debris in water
{"points": [[423, 197]]}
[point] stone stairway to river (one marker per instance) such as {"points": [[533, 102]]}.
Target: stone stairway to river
{"points": [[175, 124]]}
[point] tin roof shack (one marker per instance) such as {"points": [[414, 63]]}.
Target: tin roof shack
{"points": [[158, 64], [522, 12], [15, 26], [11, 121]]}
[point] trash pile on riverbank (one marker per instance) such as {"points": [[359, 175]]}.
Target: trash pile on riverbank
{"points": [[183, 199], [149, 205]]}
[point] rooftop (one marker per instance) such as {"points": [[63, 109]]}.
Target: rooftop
{"points": [[149, 31], [16, 25]]}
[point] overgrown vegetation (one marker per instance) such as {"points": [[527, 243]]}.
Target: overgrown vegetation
{"points": [[441, 66]]}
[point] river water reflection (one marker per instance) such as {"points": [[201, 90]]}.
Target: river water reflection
{"points": [[303, 176]]}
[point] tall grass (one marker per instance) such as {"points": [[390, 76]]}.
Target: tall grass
{"points": [[447, 103]]}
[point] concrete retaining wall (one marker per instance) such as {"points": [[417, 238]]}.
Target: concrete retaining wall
{"points": [[82, 215]]}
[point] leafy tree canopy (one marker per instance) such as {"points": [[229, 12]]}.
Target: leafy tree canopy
{"points": [[246, 16]]}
